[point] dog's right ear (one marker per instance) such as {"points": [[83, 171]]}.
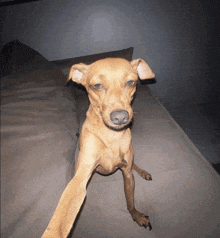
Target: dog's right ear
{"points": [[143, 69], [78, 73]]}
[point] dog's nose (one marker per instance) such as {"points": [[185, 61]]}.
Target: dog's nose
{"points": [[119, 117]]}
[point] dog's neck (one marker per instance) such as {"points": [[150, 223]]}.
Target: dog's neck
{"points": [[94, 113]]}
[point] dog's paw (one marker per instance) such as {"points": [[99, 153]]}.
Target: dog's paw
{"points": [[146, 175], [148, 224], [141, 219]]}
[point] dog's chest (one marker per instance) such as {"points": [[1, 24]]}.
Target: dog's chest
{"points": [[112, 156]]}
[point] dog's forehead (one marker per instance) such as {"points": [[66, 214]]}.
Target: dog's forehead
{"points": [[111, 67]]}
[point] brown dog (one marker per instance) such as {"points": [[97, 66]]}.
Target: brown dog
{"points": [[105, 138]]}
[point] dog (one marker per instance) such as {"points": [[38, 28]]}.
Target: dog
{"points": [[105, 138]]}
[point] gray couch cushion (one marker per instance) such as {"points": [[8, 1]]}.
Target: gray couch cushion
{"points": [[182, 200], [38, 140], [16, 55], [89, 59]]}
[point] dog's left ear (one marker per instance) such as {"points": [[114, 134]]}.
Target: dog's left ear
{"points": [[143, 69], [78, 73]]}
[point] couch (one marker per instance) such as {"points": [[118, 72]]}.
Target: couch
{"points": [[40, 119]]}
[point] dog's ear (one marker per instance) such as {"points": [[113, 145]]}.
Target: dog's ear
{"points": [[78, 72], [143, 69]]}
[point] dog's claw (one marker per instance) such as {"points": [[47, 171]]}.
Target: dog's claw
{"points": [[146, 175], [141, 219], [148, 225]]}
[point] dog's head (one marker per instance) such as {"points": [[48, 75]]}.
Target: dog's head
{"points": [[111, 84]]}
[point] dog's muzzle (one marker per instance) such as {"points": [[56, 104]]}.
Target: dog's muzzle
{"points": [[119, 117]]}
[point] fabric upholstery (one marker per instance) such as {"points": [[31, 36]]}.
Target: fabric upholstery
{"points": [[39, 121], [38, 140]]}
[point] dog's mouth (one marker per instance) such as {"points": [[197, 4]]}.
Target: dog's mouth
{"points": [[118, 127]]}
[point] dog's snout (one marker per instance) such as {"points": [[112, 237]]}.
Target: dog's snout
{"points": [[119, 117]]}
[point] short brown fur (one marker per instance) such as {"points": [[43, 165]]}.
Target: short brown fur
{"points": [[105, 138]]}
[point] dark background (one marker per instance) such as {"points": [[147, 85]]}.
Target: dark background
{"points": [[179, 39]]}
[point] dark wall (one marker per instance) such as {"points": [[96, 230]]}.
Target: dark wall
{"points": [[179, 39]]}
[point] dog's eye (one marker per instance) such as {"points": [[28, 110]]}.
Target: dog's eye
{"points": [[97, 86], [131, 83]]}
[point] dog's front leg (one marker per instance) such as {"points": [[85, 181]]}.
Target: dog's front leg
{"points": [[129, 185], [70, 202]]}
